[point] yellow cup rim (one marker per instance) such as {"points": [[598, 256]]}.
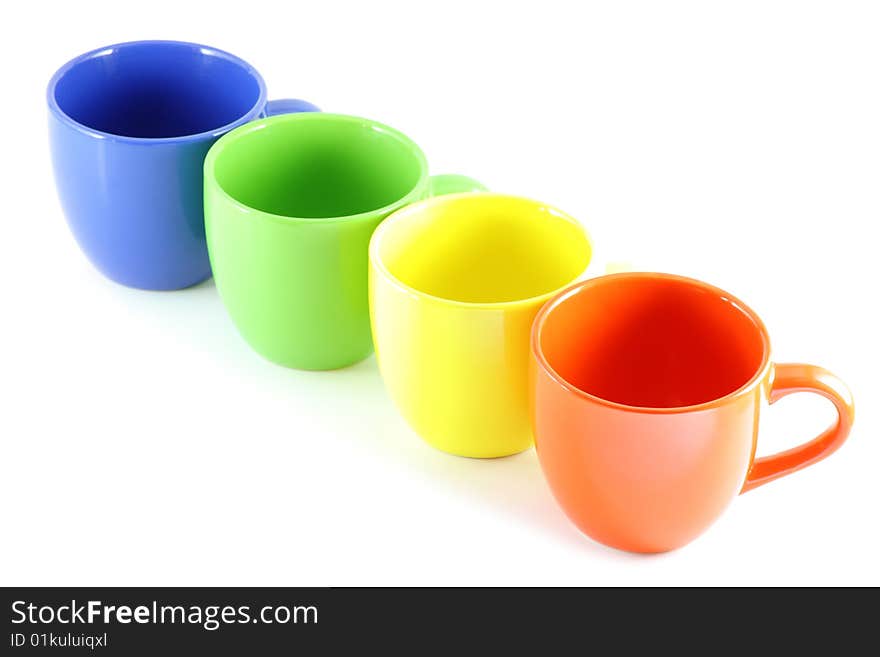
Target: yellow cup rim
{"points": [[404, 213]]}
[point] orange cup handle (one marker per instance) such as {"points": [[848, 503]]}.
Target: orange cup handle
{"points": [[789, 378]]}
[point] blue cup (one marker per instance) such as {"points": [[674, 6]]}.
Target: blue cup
{"points": [[129, 127]]}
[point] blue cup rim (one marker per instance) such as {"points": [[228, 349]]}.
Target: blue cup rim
{"points": [[253, 113]]}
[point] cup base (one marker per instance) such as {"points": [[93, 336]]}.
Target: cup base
{"points": [[480, 456], [639, 545], [157, 284], [314, 365], [474, 450]]}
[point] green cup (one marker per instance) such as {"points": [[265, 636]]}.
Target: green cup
{"points": [[290, 204]]}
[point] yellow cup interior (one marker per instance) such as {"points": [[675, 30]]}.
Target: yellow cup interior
{"points": [[483, 248]]}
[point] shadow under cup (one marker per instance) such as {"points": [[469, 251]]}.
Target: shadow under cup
{"points": [[652, 342], [455, 284], [291, 204]]}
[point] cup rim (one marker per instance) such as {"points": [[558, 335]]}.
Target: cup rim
{"points": [[211, 51], [541, 359], [243, 131], [378, 263]]}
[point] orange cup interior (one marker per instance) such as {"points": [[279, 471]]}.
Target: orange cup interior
{"points": [[653, 341]]}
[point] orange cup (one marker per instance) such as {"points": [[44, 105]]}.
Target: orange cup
{"points": [[646, 390]]}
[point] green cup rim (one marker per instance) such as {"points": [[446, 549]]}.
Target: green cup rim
{"points": [[242, 132]]}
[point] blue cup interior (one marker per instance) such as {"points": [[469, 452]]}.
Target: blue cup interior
{"points": [[157, 90]]}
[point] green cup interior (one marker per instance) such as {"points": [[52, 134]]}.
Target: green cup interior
{"points": [[318, 166]]}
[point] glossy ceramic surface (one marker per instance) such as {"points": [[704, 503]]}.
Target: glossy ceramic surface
{"points": [[291, 203], [646, 395], [129, 127], [455, 283]]}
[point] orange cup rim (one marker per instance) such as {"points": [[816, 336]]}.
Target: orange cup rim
{"points": [[577, 288]]}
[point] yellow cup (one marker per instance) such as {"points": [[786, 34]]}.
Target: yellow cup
{"points": [[455, 282]]}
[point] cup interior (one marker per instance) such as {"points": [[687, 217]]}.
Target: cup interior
{"points": [[157, 90], [318, 166], [483, 248], [652, 341]]}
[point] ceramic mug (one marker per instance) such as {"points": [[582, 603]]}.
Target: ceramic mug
{"points": [[646, 395], [129, 127], [455, 283], [290, 205]]}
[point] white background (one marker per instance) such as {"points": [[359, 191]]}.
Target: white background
{"points": [[143, 442]]}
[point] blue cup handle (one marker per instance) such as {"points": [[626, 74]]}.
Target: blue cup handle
{"points": [[288, 106]]}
